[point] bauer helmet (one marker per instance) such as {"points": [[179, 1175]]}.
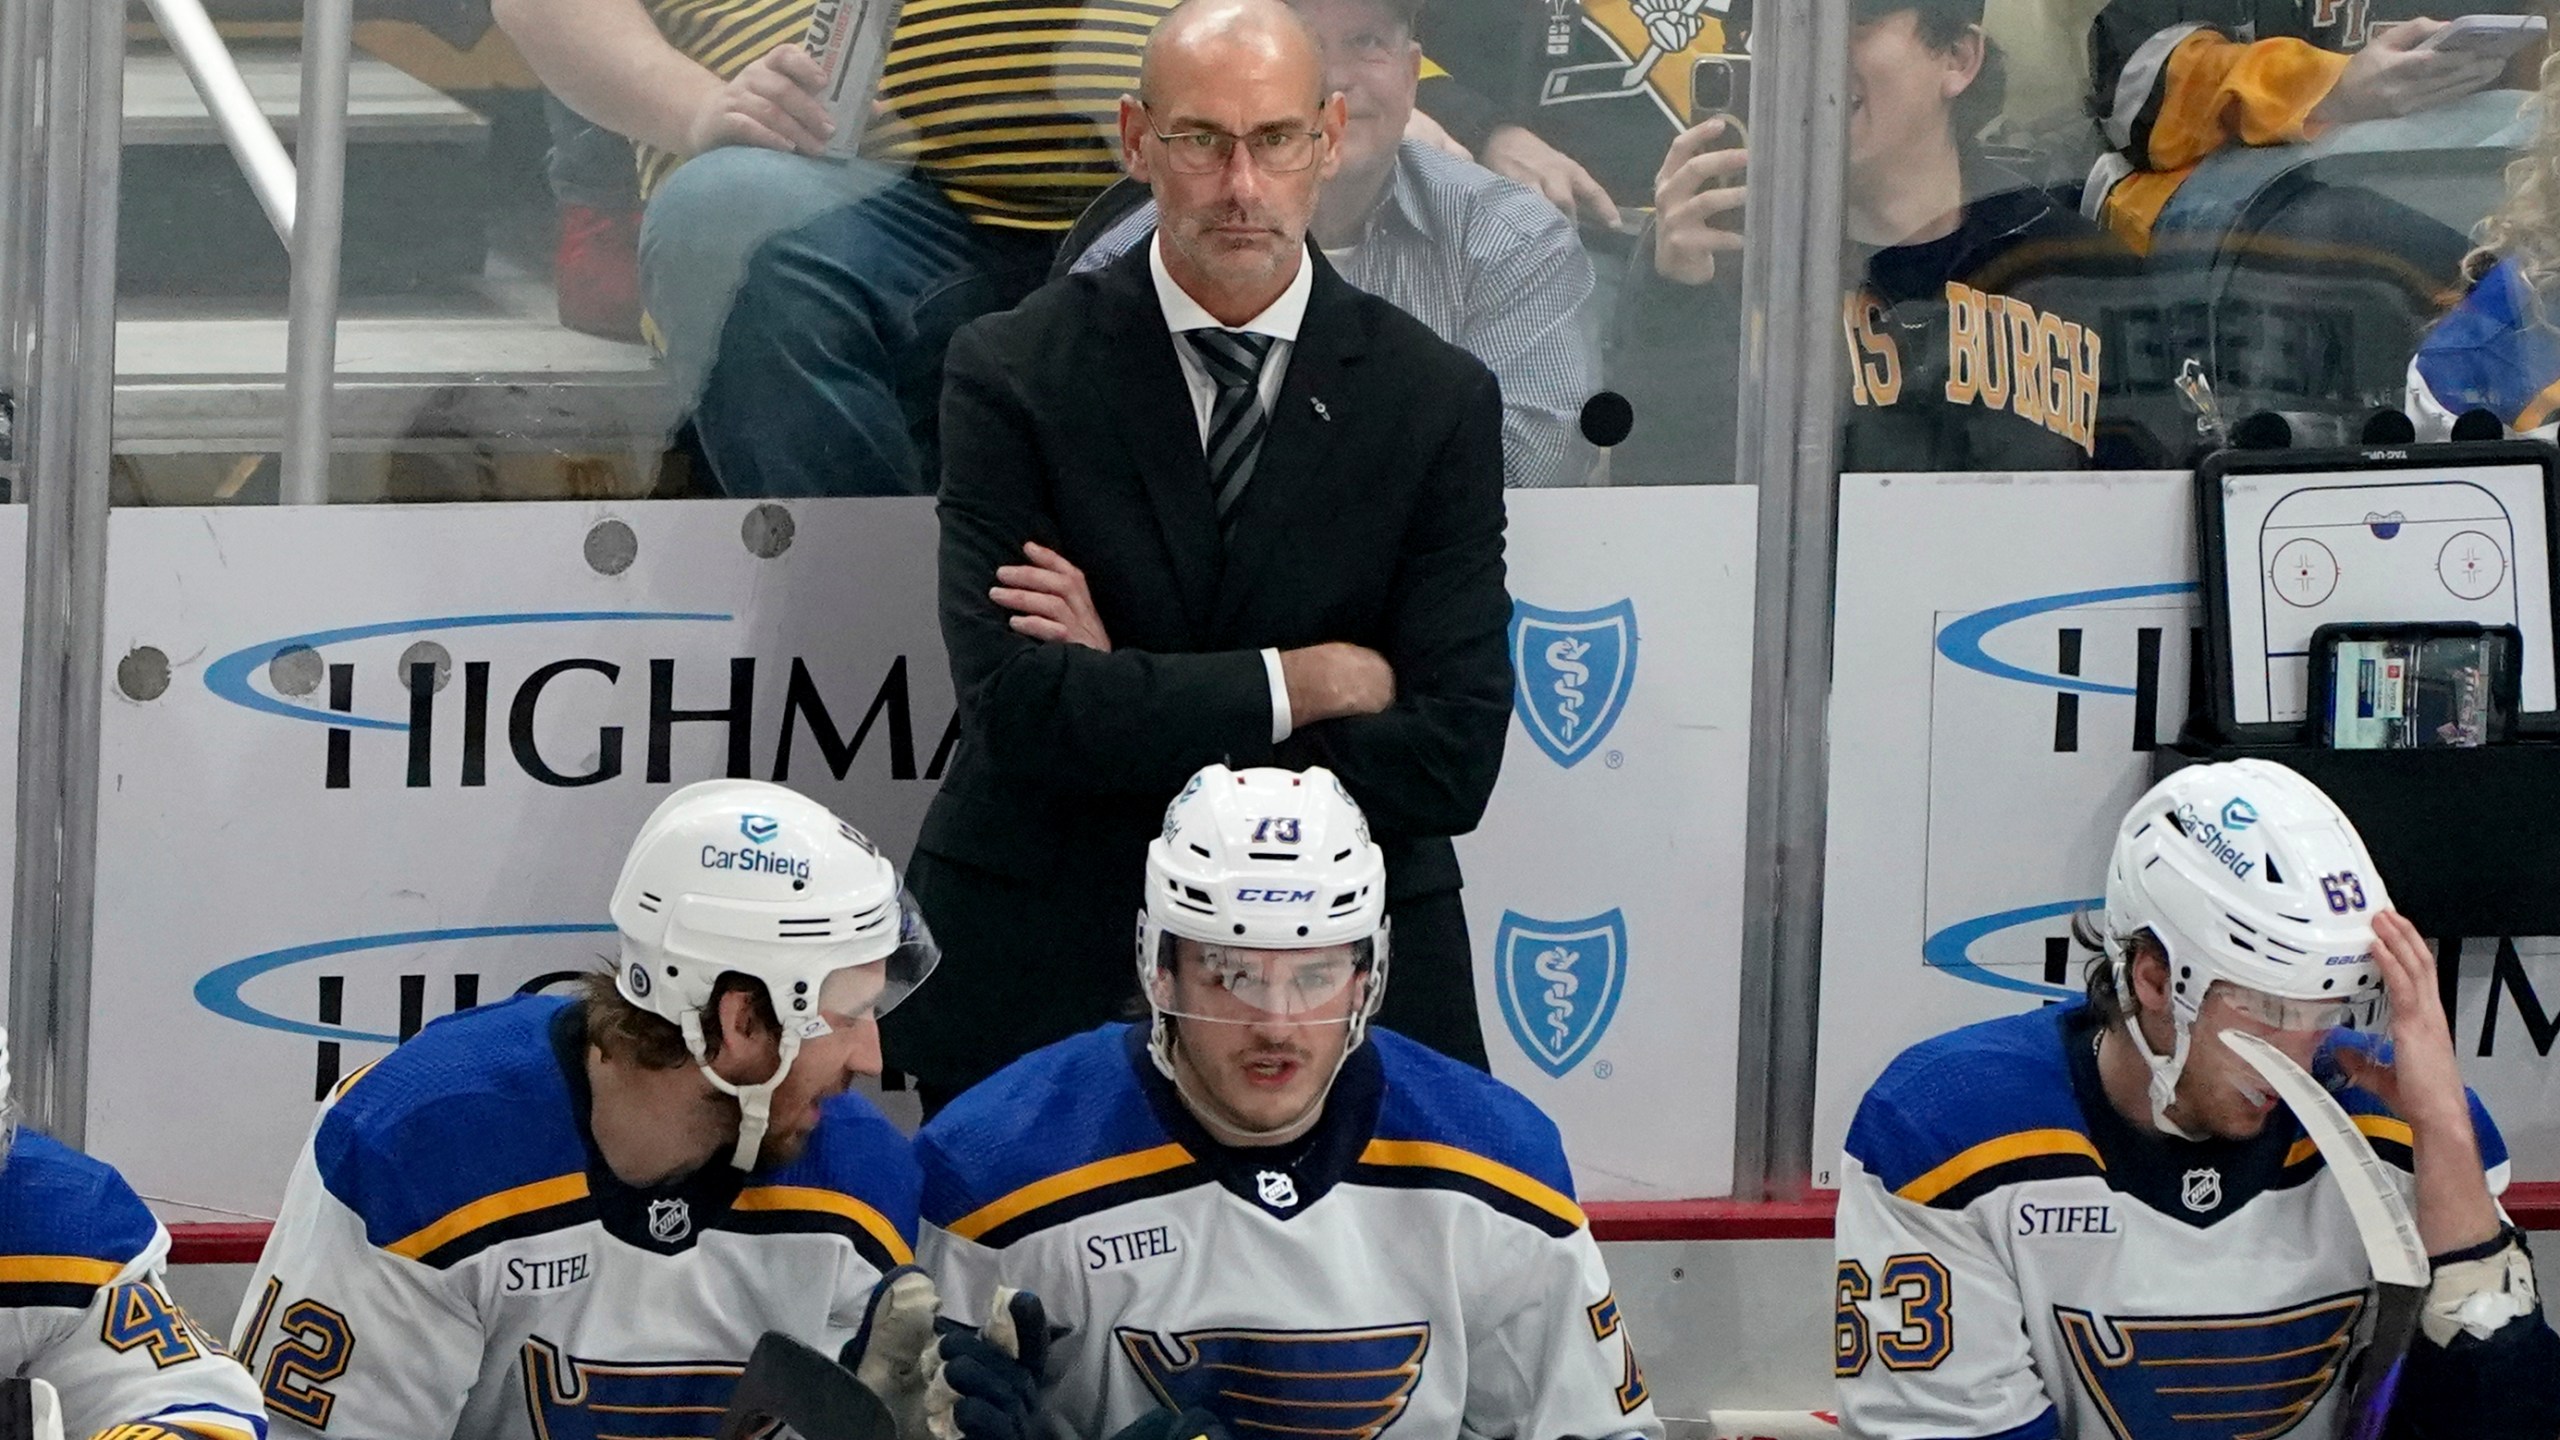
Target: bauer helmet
{"points": [[2245, 873]]}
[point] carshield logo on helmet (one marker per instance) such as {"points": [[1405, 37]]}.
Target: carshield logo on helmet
{"points": [[758, 828], [1575, 669], [1559, 983], [2238, 814], [2212, 839]]}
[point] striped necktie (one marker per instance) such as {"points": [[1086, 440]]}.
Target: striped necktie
{"points": [[1236, 420]]}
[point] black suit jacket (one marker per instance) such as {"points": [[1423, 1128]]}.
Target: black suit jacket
{"points": [[1375, 515]]}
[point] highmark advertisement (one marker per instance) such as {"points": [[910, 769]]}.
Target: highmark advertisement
{"points": [[366, 766]]}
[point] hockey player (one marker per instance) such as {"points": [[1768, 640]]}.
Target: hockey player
{"points": [[82, 1272], [1261, 1209], [573, 1218], [2095, 1220]]}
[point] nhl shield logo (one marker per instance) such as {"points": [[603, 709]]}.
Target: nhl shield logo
{"points": [[1573, 670], [2201, 1190], [1559, 983], [669, 1221]]}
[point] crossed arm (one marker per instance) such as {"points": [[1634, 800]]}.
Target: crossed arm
{"points": [[1413, 725]]}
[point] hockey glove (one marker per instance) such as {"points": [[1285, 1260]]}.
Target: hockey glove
{"points": [[893, 1353], [987, 1385], [1192, 1424]]}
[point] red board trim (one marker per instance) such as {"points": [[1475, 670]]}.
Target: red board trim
{"points": [[2535, 1207]]}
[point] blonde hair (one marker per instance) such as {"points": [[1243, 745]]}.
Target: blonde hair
{"points": [[2526, 228]]}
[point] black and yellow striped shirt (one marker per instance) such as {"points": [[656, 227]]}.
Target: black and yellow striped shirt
{"points": [[1010, 107]]}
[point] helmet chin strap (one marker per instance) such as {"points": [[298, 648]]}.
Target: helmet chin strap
{"points": [[755, 1102], [2165, 1070]]}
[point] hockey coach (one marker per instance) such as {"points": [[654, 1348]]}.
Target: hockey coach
{"points": [[1210, 504]]}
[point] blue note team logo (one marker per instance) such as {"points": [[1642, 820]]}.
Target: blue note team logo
{"points": [[569, 1397], [1559, 983], [1574, 670], [2211, 1377], [1312, 1384]]}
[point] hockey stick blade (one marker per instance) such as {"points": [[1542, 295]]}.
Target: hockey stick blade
{"points": [[789, 1383], [2383, 1223]]}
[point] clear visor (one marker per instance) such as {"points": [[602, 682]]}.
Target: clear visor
{"points": [[868, 991], [1220, 983], [2367, 1013]]}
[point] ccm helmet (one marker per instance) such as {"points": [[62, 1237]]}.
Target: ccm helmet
{"points": [[1252, 866], [2245, 872], [745, 876]]}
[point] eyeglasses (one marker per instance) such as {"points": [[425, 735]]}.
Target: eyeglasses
{"points": [[1206, 152]]}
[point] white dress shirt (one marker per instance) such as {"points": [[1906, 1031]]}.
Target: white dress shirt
{"points": [[1280, 321]]}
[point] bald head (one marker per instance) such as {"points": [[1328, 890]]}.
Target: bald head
{"points": [[1238, 85], [1207, 39]]}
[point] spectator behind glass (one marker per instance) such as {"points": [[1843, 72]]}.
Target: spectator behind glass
{"points": [[1480, 260], [2499, 348], [804, 303], [2175, 80], [1970, 299], [1576, 99]]}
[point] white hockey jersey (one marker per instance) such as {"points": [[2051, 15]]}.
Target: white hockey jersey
{"points": [[1416, 1263], [83, 1305], [454, 1259], [2016, 1260]]}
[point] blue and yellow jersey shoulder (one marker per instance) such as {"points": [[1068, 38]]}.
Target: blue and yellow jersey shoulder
{"points": [[1061, 1133], [463, 1137], [858, 1178], [1962, 1114], [2390, 1136], [69, 1225], [1446, 1126]]}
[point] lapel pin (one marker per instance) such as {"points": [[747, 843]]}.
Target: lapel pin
{"points": [[1321, 412]]}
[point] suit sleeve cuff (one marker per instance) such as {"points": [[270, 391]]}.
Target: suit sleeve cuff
{"points": [[1282, 722]]}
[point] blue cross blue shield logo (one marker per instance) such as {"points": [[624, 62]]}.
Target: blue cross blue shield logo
{"points": [[1559, 983], [1573, 670]]}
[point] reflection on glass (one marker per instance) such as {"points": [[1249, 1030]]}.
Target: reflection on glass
{"points": [[630, 247], [2498, 349], [2301, 182]]}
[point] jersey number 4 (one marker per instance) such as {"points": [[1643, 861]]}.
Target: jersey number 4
{"points": [[1927, 1333], [139, 1316]]}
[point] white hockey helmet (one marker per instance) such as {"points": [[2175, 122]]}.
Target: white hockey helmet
{"points": [[2245, 872], [1254, 865], [751, 877]]}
